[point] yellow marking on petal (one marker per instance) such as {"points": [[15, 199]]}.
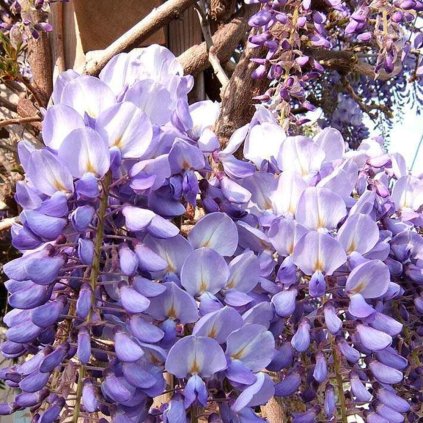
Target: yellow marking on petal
{"points": [[268, 204], [155, 360], [185, 165], [90, 167], [171, 312], [58, 185], [352, 247], [195, 368], [203, 286], [358, 288], [290, 248], [231, 284], [118, 143], [213, 332], [318, 265], [238, 355], [321, 222]]}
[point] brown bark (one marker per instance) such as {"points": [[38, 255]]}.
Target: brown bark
{"points": [[237, 100], [222, 10], [155, 20], [19, 121], [225, 41], [26, 109], [57, 37], [273, 411], [40, 61]]}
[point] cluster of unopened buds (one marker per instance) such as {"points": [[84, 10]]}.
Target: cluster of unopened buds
{"points": [[301, 280], [296, 33], [18, 20]]}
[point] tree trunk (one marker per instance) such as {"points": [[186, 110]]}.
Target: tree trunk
{"points": [[237, 100]]}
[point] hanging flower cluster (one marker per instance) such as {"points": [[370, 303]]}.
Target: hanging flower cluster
{"points": [[303, 39], [301, 281]]}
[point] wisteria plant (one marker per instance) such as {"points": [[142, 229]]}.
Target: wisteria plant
{"points": [[296, 275]]}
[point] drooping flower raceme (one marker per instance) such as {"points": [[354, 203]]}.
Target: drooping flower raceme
{"points": [[296, 282]]}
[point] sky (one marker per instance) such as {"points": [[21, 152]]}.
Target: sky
{"points": [[405, 138]]}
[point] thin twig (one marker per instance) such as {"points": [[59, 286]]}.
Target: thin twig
{"points": [[4, 102], [19, 121], [7, 147], [15, 87], [32, 90], [225, 40], [155, 20], [364, 107], [7, 223], [204, 17]]}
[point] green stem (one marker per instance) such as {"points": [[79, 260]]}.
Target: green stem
{"points": [[77, 408], [95, 271], [339, 383]]}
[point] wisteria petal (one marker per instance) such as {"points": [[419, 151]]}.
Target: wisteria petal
{"points": [[127, 128], [195, 389], [34, 381], [148, 260], [85, 151], [162, 228], [330, 140], [287, 194], [288, 385], [127, 350], [217, 231], [256, 394], [320, 208], [370, 279], [318, 252], [136, 218], [48, 173], [384, 373], [145, 331], [253, 345], [59, 122], [285, 302], [195, 355], [350, 234], [332, 321], [89, 397], [390, 414], [153, 99], [204, 270], [174, 303], [219, 324], [373, 339], [184, 156], [84, 346], [358, 389], [264, 142], [385, 323], [133, 301], [301, 155], [359, 307], [87, 95], [174, 250], [392, 400], [47, 314], [46, 227]]}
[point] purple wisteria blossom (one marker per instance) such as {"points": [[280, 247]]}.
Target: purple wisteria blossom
{"points": [[300, 277]]}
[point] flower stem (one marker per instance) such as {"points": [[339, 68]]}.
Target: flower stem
{"points": [[339, 383], [77, 408], [95, 271]]}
